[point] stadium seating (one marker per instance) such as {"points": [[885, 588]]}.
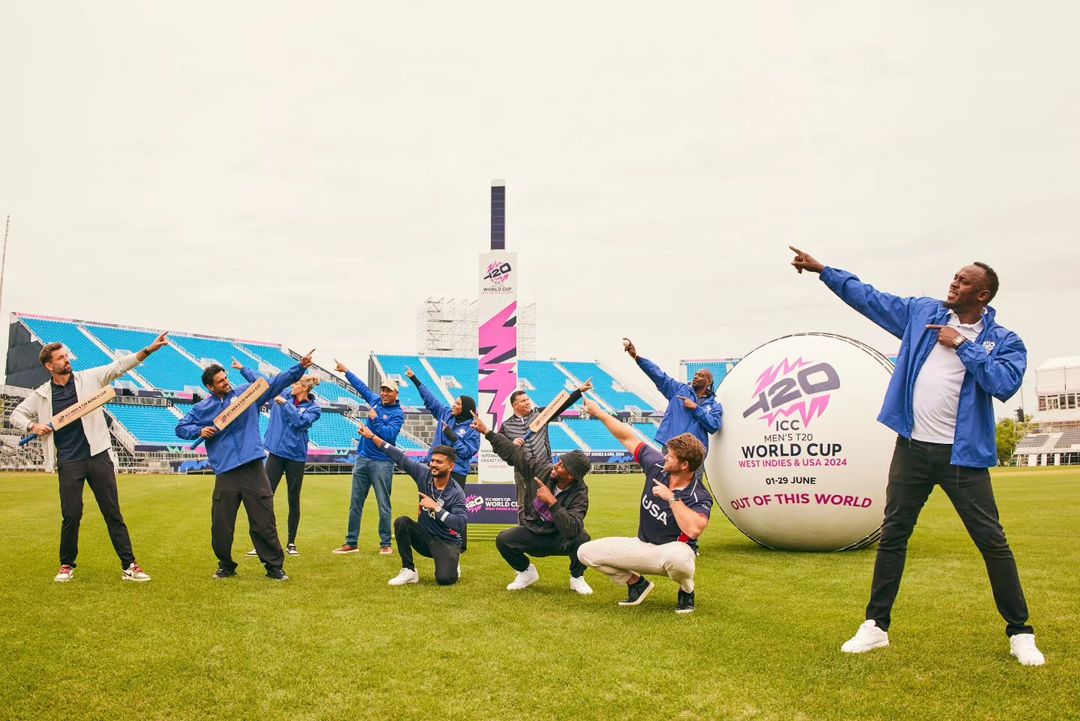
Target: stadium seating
{"points": [[561, 442], [269, 354], [152, 425], [219, 350], [167, 369], [545, 378], [464, 370], [84, 353], [605, 386], [594, 435], [647, 429]]}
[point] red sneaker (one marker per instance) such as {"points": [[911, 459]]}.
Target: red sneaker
{"points": [[346, 548], [64, 574]]}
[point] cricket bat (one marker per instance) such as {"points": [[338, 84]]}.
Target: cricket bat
{"points": [[240, 404], [547, 414], [69, 415]]}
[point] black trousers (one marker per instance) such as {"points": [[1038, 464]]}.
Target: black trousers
{"points": [[97, 471], [245, 484], [410, 535], [514, 543], [294, 480], [916, 468]]}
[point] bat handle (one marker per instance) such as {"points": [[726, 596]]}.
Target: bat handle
{"points": [[195, 445], [27, 439], [528, 434]]}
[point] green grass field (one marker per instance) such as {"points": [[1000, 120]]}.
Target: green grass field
{"points": [[337, 643]]}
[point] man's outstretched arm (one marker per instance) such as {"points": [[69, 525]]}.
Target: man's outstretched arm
{"points": [[623, 433]]}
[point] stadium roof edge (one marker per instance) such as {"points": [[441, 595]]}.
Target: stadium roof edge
{"points": [[121, 326]]}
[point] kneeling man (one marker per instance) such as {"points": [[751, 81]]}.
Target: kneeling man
{"points": [[443, 519], [674, 513]]}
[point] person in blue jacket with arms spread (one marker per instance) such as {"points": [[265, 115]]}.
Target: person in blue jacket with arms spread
{"points": [[692, 407], [373, 468], [453, 428], [236, 455], [438, 531], [291, 417], [954, 360]]}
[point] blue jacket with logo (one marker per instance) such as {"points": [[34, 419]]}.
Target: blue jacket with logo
{"points": [[386, 424], [240, 442], [287, 432], [468, 438], [700, 422], [995, 364], [452, 521]]}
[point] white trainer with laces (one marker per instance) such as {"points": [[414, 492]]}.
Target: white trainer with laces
{"points": [[524, 579], [1023, 647], [405, 575], [64, 574], [867, 638], [578, 585], [135, 573]]}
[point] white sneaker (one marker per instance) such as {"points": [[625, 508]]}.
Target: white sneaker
{"points": [[134, 572], [405, 575], [578, 585], [1022, 645], [64, 574], [867, 638], [524, 579]]}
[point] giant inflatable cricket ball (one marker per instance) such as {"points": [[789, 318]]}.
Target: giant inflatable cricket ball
{"points": [[801, 463]]}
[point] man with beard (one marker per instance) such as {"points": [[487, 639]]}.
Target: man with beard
{"points": [[81, 452], [552, 519]]}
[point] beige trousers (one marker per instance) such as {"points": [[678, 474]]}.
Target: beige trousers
{"points": [[621, 558]]}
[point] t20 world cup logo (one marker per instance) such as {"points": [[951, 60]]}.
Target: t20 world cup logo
{"points": [[498, 273], [794, 387]]}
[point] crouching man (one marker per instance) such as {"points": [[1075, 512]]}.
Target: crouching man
{"points": [[673, 514], [551, 520]]}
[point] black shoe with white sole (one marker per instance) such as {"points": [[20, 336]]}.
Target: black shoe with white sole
{"points": [[686, 602], [276, 573], [637, 592], [224, 573]]}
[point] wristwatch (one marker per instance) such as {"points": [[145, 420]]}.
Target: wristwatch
{"points": [[959, 341]]}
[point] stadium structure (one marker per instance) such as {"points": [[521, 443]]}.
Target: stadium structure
{"points": [[1055, 436], [154, 396]]}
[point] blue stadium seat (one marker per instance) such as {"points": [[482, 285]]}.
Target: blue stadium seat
{"points": [[560, 441], [547, 380], [594, 434], [464, 370], [166, 370], [605, 386], [84, 353], [152, 425], [219, 350], [395, 365]]}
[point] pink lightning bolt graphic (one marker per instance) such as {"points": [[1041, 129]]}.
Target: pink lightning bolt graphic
{"points": [[498, 355]]}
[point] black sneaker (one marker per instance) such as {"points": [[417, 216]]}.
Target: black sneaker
{"points": [[686, 602], [224, 573], [637, 592], [291, 550], [275, 573]]}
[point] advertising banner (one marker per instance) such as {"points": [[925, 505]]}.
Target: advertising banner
{"points": [[497, 354]]}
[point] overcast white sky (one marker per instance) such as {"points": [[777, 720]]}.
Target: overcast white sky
{"points": [[308, 172]]}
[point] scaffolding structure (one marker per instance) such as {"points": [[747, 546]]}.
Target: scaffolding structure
{"points": [[448, 327]]}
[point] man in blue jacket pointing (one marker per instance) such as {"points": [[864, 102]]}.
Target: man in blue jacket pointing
{"points": [[236, 454], [954, 360]]}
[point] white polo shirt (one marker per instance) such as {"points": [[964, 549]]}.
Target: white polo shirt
{"points": [[937, 388]]}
